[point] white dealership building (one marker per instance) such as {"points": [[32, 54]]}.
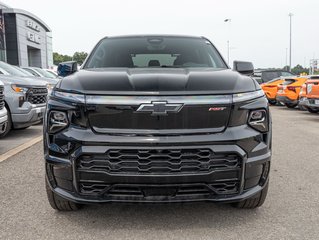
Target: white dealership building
{"points": [[25, 40]]}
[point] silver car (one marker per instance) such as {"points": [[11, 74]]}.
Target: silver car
{"points": [[25, 98]]}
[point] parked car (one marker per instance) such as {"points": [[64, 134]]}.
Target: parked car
{"points": [[25, 98], [313, 94], [270, 88], [288, 91], [39, 72], [3, 110], [157, 119], [264, 76]]}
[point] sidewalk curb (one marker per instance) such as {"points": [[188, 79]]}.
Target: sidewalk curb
{"points": [[20, 148]]}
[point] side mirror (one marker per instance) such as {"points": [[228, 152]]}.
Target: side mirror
{"points": [[246, 68], [67, 68]]}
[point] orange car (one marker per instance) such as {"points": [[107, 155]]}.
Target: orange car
{"points": [[288, 91], [270, 88], [313, 94]]}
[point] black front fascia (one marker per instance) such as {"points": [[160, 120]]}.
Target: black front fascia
{"points": [[64, 150]]}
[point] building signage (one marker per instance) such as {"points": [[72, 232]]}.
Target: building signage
{"points": [[33, 37], [33, 25]]}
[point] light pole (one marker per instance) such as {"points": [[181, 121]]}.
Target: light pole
{"points": [[286, 59], [290, 18], [228, 47]]}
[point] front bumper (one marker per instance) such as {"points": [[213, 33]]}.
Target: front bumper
{"points": [[313, 102], [303, 101], [28, 115], [229, 184], [285, 100]]}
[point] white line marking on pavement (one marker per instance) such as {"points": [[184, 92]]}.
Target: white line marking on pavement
{"points": [[20, 148]]}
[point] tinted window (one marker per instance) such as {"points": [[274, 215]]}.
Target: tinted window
{"points": [[267, 76], [135, 52]]}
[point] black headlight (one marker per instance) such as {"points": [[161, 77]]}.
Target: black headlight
{"points": [[258, 119], [58, 120]]}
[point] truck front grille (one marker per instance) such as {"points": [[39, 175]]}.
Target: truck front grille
{"points": [[1, 97], [37, 95], [158, 161]]}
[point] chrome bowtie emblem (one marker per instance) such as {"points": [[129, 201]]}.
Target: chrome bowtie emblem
{"points": [[160, 108]]}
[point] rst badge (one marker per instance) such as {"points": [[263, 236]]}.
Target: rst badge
{"points": [[216, 109]]}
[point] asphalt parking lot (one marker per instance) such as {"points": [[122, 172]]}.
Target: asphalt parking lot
{"points": [[17, 138], [291, 210]]}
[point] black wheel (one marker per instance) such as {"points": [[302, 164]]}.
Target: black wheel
{"points": [[291, 105], [255, 201], [312, 110], [272, 102], [8, 126], [59, 203]]}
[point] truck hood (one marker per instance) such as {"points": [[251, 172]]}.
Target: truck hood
{"points": [[157, 81], [8, 80], [51, 81]]}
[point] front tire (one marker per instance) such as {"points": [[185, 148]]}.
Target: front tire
{"points": [[59, 203], [313, 110], [8, 126], [255, 201]]}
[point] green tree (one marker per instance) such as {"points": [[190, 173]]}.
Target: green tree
{"points": [[299, 69], [79, 57], [58, 58]]}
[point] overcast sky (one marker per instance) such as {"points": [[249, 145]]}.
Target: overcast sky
{"points": [[258, 31]]}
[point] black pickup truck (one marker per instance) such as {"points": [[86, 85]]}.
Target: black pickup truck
{"points": [[156, 119]]}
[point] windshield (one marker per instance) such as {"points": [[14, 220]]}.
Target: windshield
{"points": [[24, 72], [150, 52], [11, 70], [270, 75], [44, 73]]}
